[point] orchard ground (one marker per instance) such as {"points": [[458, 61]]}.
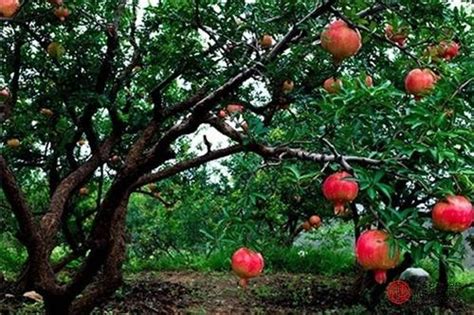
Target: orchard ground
{"points": [[314, 275]]}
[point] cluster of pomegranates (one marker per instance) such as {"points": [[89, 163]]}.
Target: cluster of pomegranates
{"points": [[453, 214], [342, 42], [314, 221]]}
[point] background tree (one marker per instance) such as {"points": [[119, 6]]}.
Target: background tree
{"points": [[102, 103]]}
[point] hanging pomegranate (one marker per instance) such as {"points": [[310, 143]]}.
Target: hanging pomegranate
{"points": [[340, 188], [340, 40], [373, 253], [454, 214], [247, 264]]}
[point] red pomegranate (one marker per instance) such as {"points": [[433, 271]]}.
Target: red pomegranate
{"points": [[4, 94], [222, 114], [454, 214], [373, 253], [8, 8], [306, 226], [61, 13], [332, 85], [339, 189], [448, 50], [235, 108], [247, 264], [340, 40], [420, 82], [315, 221]]}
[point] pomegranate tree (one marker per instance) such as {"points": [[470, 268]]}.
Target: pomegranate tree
{"points": [[373, 253], [8, 8], [454, 214], [340, 40], [420, 82], [340, 188], [247, 264]]}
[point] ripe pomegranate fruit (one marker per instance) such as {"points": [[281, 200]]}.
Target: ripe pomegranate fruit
{"points": [[235, 108], [4, 94], [287, 86], [222, 114], [8, 8], [306, 226], [454, 214], [399, 37], [340, 40], [13, 143], [247, 264], [369, 81], [266, 41], [420, 82], [61, 13], [373, 253], [448, 50], [339, 189], [332, 85], [315, 221]]}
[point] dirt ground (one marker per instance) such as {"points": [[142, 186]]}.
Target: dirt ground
{"points": [[218, 293]]}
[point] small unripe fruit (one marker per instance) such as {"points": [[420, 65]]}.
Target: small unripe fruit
{"points": [[306, 226], [61, 13], [84, 191], [9, 8], [315, 221], [13, 143], [46, 112], [368, 81], [420, 82], [152, 186], [287, 86], [266, 41], [340, 40], [55, 50], [332, 85]]}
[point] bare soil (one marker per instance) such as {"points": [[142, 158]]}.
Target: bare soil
{"points": [[218, 293]]}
